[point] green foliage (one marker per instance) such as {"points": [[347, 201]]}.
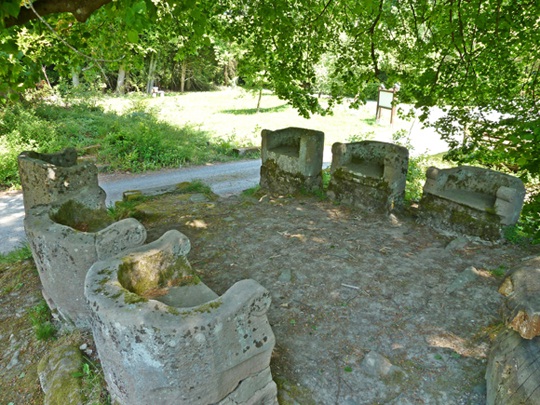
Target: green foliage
{"points": [[326, 176], [527, 229], [93, 382], [23, 253], [40, 318], [498, 272], [251, 192], [195, 186], [135, 141], [416, 173], [22, 129]]}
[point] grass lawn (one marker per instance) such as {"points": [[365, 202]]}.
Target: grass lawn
{"points": [[231, 114]]}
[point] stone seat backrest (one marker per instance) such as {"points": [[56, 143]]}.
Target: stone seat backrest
{"points": [[377, 160], [52, 178]]}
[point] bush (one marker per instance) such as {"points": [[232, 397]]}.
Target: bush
{"points": [[21, 129], [135, 141]]}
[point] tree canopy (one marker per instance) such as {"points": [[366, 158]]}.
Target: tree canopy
{"points": [[476, 59]]}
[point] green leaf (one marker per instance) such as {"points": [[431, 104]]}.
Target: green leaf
{"points": [[12, 8], [133, 36]]}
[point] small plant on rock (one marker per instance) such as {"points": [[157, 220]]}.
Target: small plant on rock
{"points": [[40, 318]]}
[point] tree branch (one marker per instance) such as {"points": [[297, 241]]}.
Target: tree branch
{"points": [[81, 10]]}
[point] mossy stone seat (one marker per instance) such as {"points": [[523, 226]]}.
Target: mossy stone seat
{"points": [[65, 241], [471, 200], [291, 160], [164, 337], [370, 174]]}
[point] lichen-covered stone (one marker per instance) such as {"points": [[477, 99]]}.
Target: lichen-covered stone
{"points": [[63, 254], [155, 349], [57, 177], [57, 372], [291, 160]]}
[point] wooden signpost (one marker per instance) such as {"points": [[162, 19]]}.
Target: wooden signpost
{"points": [[385, 100]]}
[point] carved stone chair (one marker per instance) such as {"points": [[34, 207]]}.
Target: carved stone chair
{"points": [[291, 160], [471, 200], [165, 337], [369, 174]]}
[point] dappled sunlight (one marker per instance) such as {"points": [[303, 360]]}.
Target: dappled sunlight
{"points": [[298, 236], [460, 345], [10, 219], [197, 223]]}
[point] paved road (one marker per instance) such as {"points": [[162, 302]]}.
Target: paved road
{"points": [[225, 179]]}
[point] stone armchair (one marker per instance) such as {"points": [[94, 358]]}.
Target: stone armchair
{"points": [[66, 241], [291, 160], [164, 337], [371, 174], [471, 200]]}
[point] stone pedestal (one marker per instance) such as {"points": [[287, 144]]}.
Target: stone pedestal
{"points": [[56, 177], [291, 160], [164, 337]]}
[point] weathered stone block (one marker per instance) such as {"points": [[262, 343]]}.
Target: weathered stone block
{"points": [[164, 337], [471, 200], [65, 241], [57, 376], [513, 371], [291, 160], [370, 174], [56, 177], [521, 309]]}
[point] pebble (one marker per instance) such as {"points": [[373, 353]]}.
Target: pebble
{"points": [[285, 276], [14, 360]]}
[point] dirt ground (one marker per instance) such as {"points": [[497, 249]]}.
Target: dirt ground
{"points": [[366, 308]]}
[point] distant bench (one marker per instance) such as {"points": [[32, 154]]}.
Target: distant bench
{"points": [[156, 91]]}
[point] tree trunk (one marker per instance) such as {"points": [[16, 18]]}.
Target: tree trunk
{"points": [[121, 81], [259, 100], [44, 70], [151, 73], [226, 79], [183, 76], [75, 77]]}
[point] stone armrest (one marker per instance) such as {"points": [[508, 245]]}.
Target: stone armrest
{"points": [[119, 236]]}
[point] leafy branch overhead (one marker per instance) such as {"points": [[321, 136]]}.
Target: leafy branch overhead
{"points": [[12, 14], [477, 59]]}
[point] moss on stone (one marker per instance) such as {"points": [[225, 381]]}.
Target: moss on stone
{"points": [[131, 298], [78, 216]]}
